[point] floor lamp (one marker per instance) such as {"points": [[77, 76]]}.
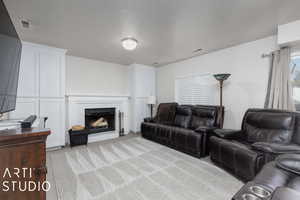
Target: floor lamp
{"points": [[151, 101], [221, 78]]}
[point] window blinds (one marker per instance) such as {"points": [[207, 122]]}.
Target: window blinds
{"points": [[194, 90]]}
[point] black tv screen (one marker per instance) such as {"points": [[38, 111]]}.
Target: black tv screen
{"points": [[10, 55]]}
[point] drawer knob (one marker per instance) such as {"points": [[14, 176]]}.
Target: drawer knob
{"points": [[24, 161], [41, 170]]}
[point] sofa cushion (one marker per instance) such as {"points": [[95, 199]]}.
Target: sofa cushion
{"points": [[269, 126], [202, 117], [166, 113], [183, 116], [276, 148]]}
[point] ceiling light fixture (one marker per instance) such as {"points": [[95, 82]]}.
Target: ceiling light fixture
{"points": [[129, 43]]}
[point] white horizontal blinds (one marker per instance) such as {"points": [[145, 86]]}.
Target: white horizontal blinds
{"points": [[194, 90]]}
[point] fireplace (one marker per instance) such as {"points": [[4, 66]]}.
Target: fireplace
{"points": [[100, 119]]}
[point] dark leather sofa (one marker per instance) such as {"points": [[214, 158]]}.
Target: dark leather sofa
{"points": [[182, 127], [265, 134], [278, 180]]}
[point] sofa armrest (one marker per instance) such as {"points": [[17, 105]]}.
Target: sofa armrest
{"points": [[284, 193], [228, 133], [276, 148], [149, 119], [205, 129], [289, 162]]}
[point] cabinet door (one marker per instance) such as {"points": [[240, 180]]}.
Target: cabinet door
{"points": [[26, 156], [28, 74], [50, 75], [25, 107], [54, 109]]}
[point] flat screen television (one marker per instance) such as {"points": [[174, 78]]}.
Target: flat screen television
{"points": [[10, 55]]}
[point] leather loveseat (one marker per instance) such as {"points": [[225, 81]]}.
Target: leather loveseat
{"points": [[182, 127], [278, 180], [265, 134]]}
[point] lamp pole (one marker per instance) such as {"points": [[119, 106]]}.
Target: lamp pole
{"points": [[151, 107], [151, 101], [221, 104], [221, 78]]}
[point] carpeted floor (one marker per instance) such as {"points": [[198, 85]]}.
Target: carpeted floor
{"points": [[134, 169]]}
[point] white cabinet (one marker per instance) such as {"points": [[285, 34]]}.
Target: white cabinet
{"points": [[289, 34], [54, 110], [28, 74], [50, 75], [41, 88]]}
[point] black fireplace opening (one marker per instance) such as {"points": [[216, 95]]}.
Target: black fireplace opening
{"points": [[100, 119]]}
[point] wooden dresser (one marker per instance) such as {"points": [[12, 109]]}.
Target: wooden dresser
{"points": [[23, 164]]}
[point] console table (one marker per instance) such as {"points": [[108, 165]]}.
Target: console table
{"points": [[23, 159]]}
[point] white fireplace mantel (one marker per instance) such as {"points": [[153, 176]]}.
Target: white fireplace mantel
{"points": [[97, 95]]}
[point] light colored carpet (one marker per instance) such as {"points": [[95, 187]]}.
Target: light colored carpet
{"points": [[134, 169]]}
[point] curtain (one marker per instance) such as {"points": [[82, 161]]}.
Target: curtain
{"points": [[280, 92]]}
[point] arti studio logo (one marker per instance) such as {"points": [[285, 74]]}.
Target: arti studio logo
{"points": [[16, 180]]}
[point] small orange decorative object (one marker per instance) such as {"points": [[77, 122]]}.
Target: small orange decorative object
{"points": [[77, 128]]}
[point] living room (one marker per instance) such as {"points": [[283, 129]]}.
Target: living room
{"points": [[150, 100]]}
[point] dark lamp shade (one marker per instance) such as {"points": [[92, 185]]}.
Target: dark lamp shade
{"points": [[221, 77]]}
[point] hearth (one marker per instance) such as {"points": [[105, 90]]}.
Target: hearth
{"points": [[100, 119]]}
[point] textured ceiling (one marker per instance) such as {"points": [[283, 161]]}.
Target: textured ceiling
{"points": [[167, 30]]}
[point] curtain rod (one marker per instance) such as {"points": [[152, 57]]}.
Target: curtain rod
{"points": [[266, 55]]}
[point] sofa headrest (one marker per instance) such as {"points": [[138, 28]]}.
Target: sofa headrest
{"points": [[289, 162], [268, 125], [203, 117], [166, 113], [270, 120], [183, 116], [184, 110], [204, 112]]}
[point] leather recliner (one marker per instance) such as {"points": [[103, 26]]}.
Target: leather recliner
{"points": [[265, 134], [280, 178], [185, 128]]}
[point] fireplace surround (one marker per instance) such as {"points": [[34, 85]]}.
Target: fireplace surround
{"points": [[100, 119], [77, 103]]}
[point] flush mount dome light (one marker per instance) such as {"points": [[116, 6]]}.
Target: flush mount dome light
{"points": [[129, 43]]}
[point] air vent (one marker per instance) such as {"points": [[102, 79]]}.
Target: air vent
{"points": [[25, 23]]}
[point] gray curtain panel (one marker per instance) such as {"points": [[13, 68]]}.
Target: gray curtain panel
{"points": [[280, 91]]}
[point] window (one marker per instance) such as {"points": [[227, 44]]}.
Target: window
{"points": [[195, 89], [295, 78]]}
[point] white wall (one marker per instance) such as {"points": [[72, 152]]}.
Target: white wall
{"points": [[142, 79], [246, 87], [289, 34], [86, 76]]}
